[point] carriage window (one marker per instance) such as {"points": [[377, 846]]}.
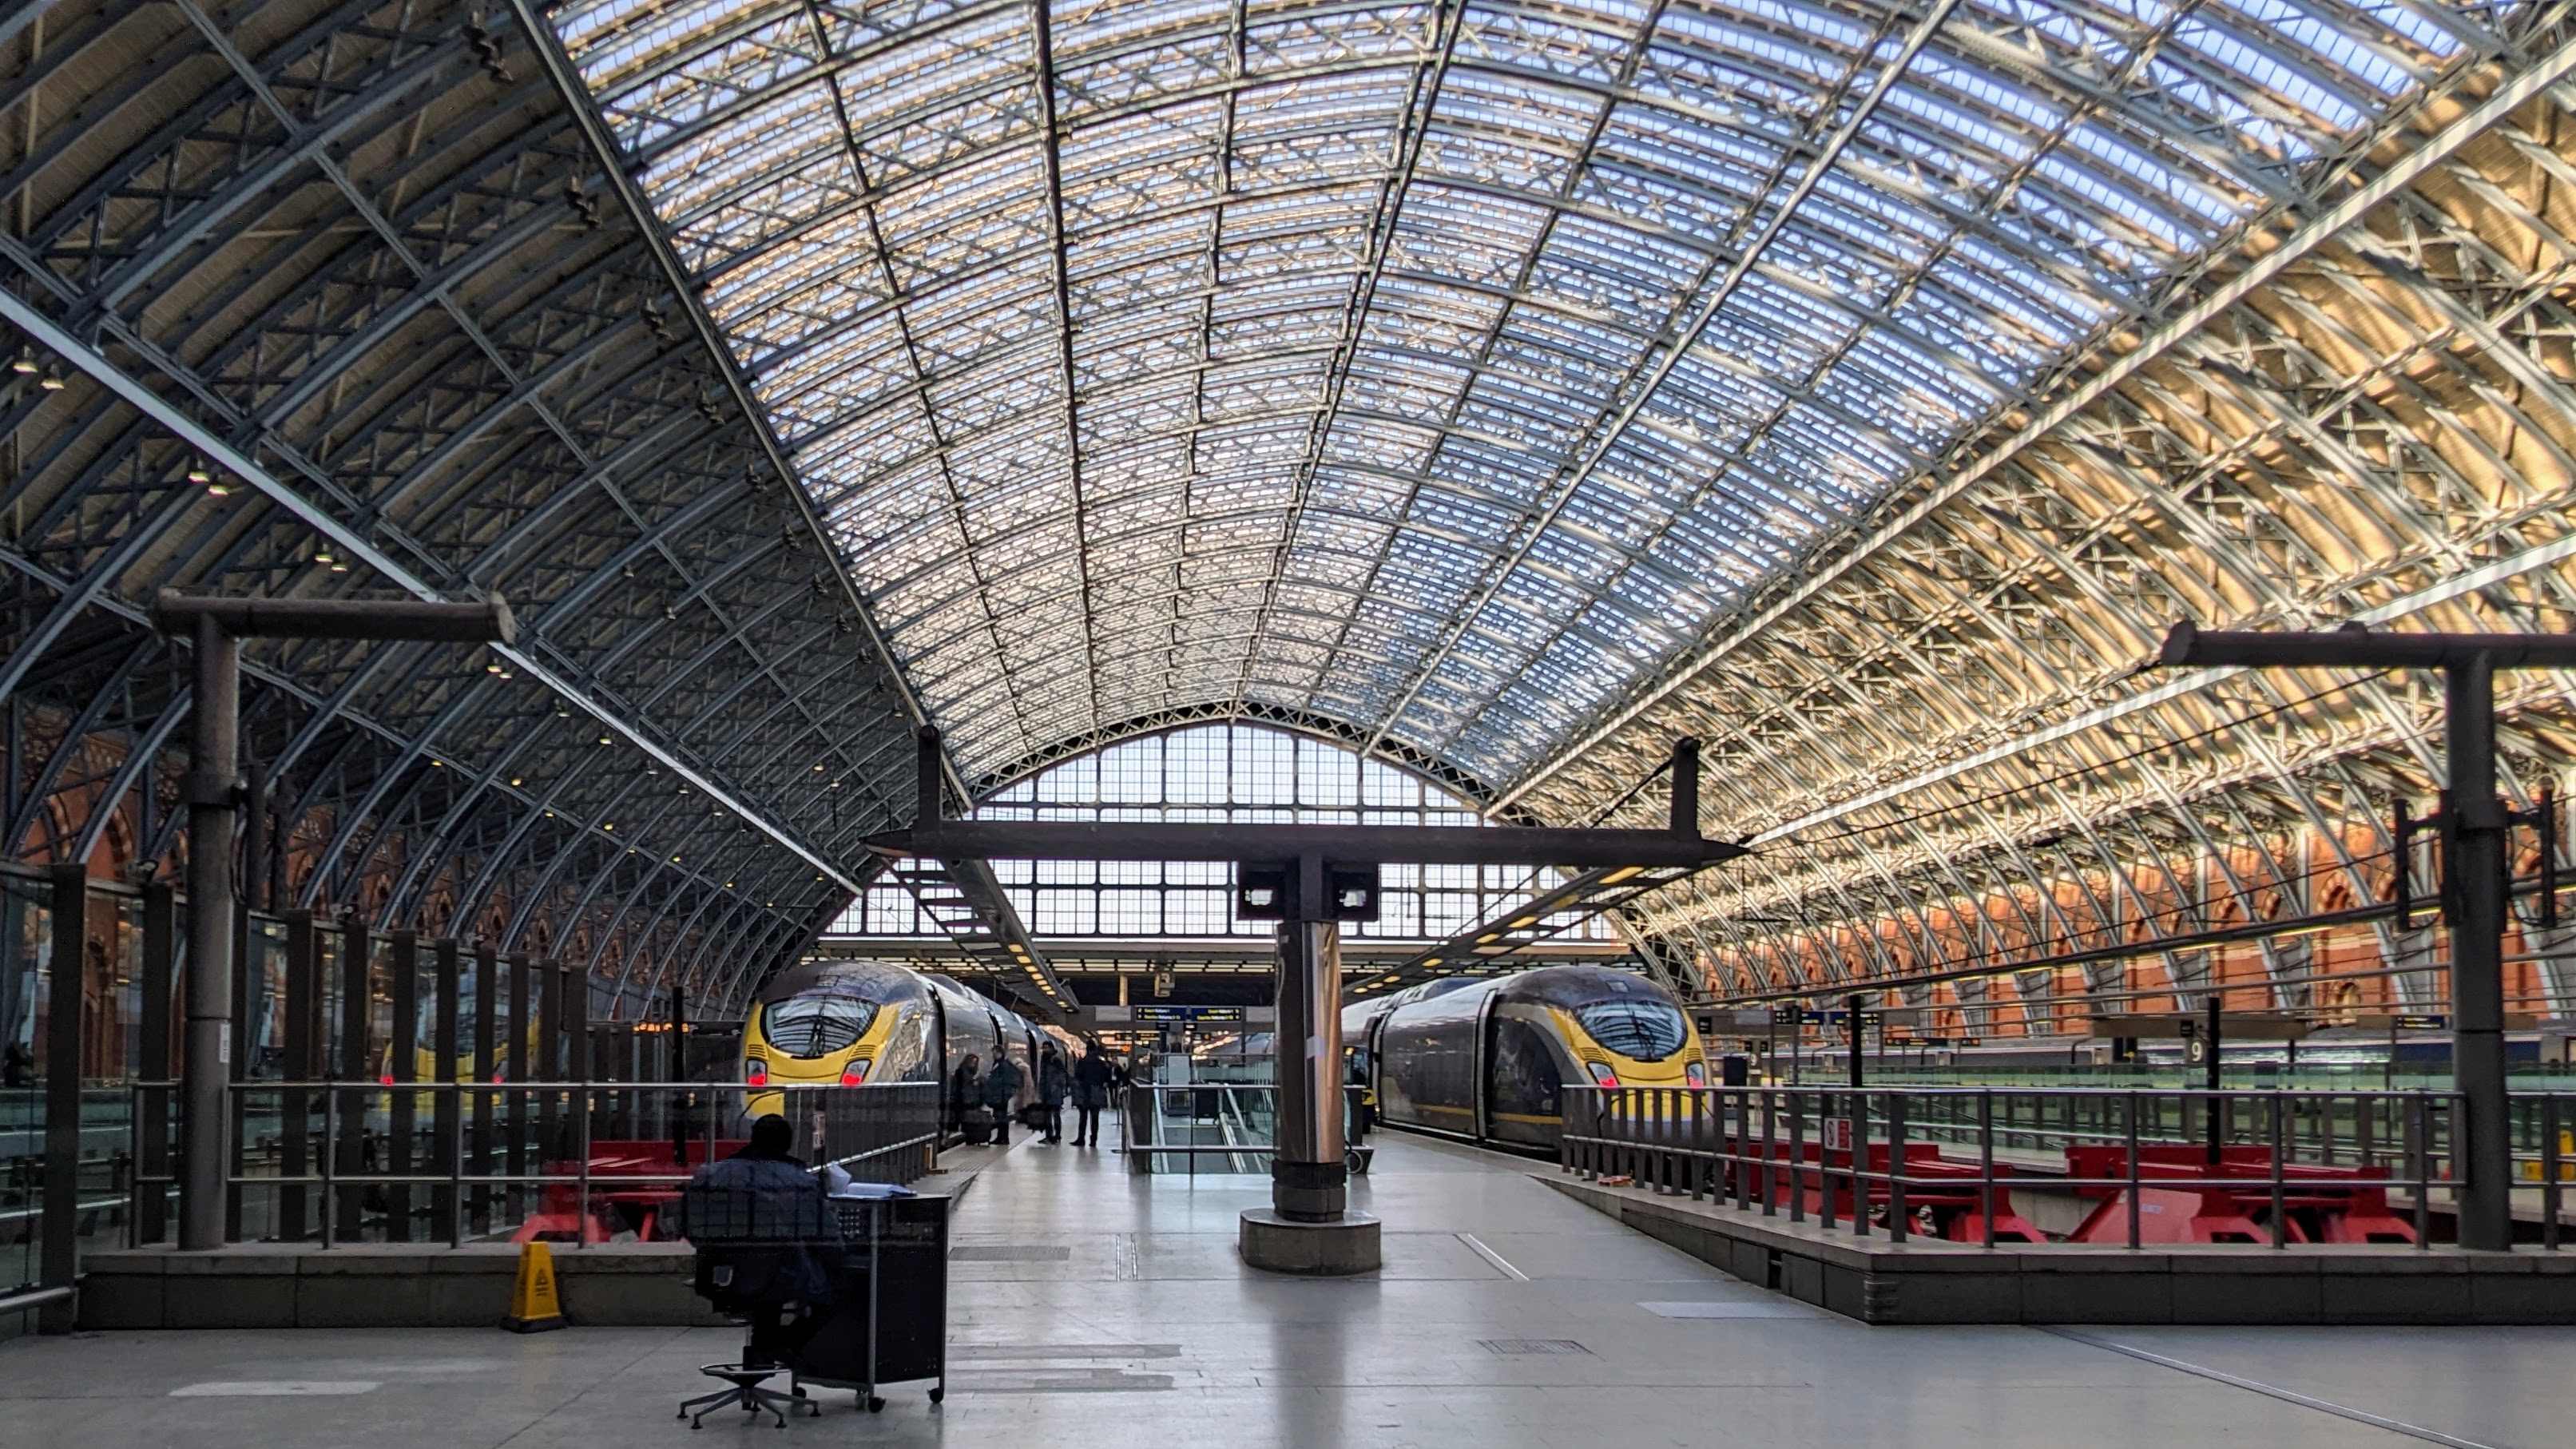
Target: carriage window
{"points": [[816, 1026], [1647, 1031]]}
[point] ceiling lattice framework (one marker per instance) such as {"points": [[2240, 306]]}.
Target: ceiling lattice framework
{"points": [[1501, 388], [367, 245], [1442, 369], [1945, 723]]}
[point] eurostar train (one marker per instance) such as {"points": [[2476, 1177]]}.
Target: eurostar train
{"points": [[849, 1023], [1487, 1060]]}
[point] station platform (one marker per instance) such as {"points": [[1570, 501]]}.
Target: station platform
{"points": [[1092, 1308]]}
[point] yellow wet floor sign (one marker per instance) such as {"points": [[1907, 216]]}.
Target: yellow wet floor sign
{"points": [[534, 1308]]}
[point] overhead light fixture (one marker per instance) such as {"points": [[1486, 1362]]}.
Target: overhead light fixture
{"points": [[51, 384], [23, 366], [608, 825], [514, 782]]}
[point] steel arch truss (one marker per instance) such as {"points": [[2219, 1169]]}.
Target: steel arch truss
{"points": [[1440, 368], [1941, 734], [366, 246]]}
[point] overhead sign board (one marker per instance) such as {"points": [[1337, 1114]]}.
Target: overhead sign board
{"points": [[1185, 1013]]}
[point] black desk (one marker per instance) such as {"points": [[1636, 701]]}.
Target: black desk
{"points": [[889, 1323]]}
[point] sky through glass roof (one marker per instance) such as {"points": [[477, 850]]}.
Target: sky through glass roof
{"points": [[1435, 369]]}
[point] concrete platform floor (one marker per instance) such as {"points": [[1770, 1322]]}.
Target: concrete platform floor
{"points": [[1095, 1310]]}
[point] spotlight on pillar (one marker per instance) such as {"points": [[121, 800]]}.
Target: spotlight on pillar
{"points": [[1309, 1227]]}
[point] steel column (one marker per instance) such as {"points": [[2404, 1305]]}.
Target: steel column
{"points": [[2476, 866], [60, 1251], [152, 1104], [210, 788], [1308, 1180]]}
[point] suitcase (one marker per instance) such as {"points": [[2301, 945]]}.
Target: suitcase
{"points": [[975, 1124]]}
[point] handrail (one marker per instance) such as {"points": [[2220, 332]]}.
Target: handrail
{"points": [[880, 1129], [1750, 1145]]}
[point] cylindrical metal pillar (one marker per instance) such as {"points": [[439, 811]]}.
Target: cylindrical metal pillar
{"points": [[206, 1062], [1308, 1180], [2477, 901]]}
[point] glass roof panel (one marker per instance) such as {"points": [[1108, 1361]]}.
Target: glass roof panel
{"points": [[1439, 369]]}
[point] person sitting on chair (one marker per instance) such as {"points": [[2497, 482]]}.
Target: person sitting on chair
{"points": [[763, 1162], [768, 1250]]}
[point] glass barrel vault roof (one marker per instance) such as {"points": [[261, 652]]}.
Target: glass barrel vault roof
{"points": [[1437, 369]]}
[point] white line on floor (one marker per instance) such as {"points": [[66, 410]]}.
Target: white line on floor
{"points": [[2287, 1396], [1734, 1308], [276, 1389], [1490, 1256]]}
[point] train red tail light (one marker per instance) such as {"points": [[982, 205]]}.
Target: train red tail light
{"points": [[1602, 1075], [1695, 1074], [758, 1076], [855, 1074]]}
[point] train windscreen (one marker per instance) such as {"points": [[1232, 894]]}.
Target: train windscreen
{"points": [[816, 1026], [1645, 1031]]}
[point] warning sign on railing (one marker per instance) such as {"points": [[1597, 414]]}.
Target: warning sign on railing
{"points": [[1838, 1134]]}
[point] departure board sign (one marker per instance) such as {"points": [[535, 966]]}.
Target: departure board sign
{"points": [[1185, 1013]]}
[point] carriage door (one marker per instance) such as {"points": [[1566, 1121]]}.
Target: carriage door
{"points": [[1481, 1082]]}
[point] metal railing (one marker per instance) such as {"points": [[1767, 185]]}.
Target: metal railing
{"points": [[343, 1162], [2287, 1168], [1174, 1120]]}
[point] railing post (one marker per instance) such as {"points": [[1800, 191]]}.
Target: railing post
{"points": [[1770, 1150], [1896, 1167], [1986, 1163], [2280, 1148], [329, 1156], [2549, 1172], [1797, 1158], [455, 1122], [2131, 1133], [581, 1193], [2419, 1155]]}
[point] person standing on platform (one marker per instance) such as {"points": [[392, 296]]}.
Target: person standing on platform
{"points": [[1001, 1084], [1054, 1082], [965, 1091], [1091, 1078]]}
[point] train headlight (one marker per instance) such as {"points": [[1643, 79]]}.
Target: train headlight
{"points": [[1695, 1074], [1602, 1075], [856, 1073], [758, 1076]]}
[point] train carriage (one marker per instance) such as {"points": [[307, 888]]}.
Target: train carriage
{"points": [[849, 1023], [1488, 1060]]}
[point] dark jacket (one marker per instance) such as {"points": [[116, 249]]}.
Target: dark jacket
{"points": [[739, 1275], [966, 1088], [1054, 1082], [1002, 1083], [1091, 1078]]}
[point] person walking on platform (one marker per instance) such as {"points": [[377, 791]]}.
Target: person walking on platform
{"points": [[1001, 1084], [1091, 1078], [1054, 1083]]}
